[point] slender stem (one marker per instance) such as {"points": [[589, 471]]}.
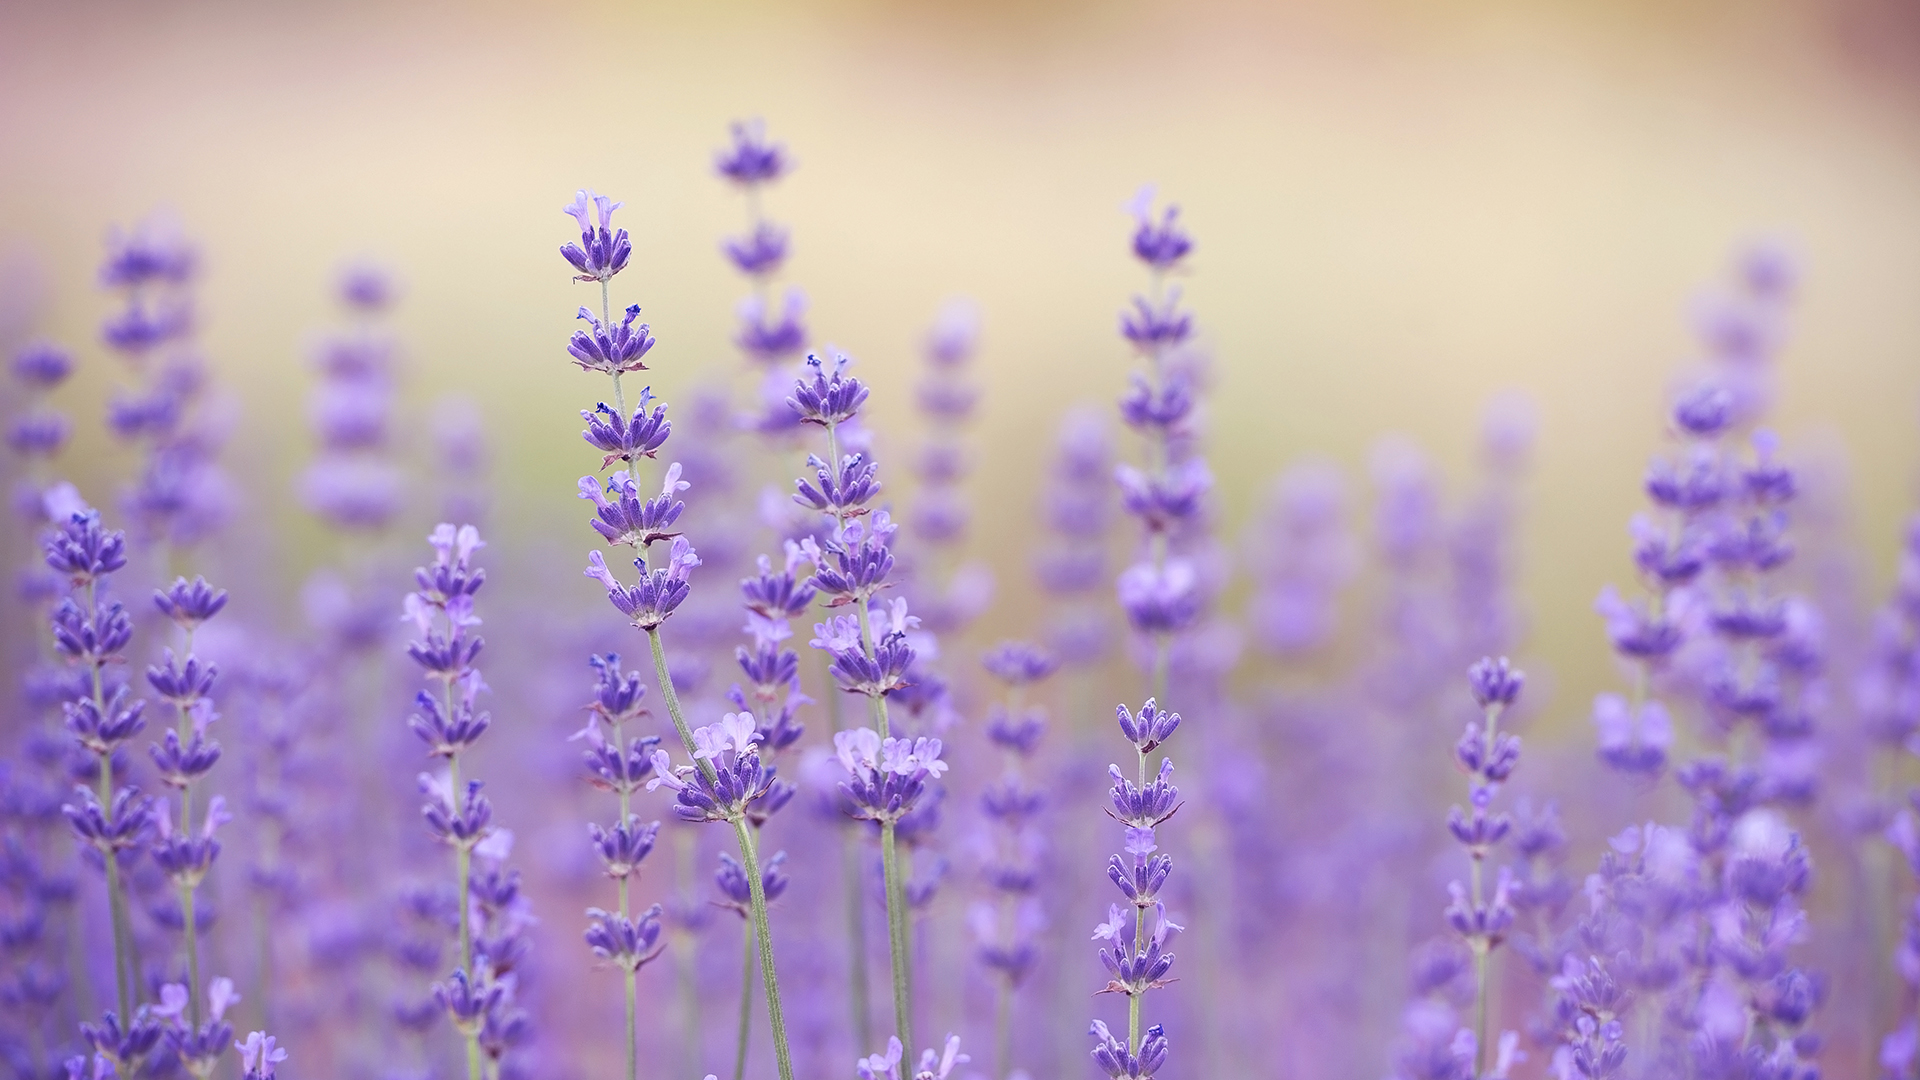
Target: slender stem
{"points": [[189, 916], [746, 1003], [631, 988], [856, 894], [116, 900], [673, 701], [757, 893], [897, 940], [1480, 956], [1003, 1031], [1482, 947], [462, 860], [116, 912], [627, 978], [749, 859], [182, 724]]}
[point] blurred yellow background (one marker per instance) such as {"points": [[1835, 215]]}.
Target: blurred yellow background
{"points": [[1401, 209]]}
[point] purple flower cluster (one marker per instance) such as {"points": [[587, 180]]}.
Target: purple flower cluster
{"points": [[1480, 918], [38, 432], [1136, 957], [728, 781], [1700, 922], [771, 331], [478, 996], [352, 484], [1006, 924], [1073, 566], [181, 494], [947, 596], [1161, 592]]}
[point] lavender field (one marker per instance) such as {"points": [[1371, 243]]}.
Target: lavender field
{"points": [[1366, 555]]}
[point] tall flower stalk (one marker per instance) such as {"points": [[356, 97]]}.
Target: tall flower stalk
{"points": [[887, 775], [457, 814], [1005, 924], [769, 692], [620, 762], [726, 776], [1160, 592], [1482, 919], [1136, 958], [182, 759], [91, 632]]}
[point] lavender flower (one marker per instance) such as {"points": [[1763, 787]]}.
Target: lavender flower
{"points": [[458, 815], [1136, 958], [727, 775], [1005, 922]]}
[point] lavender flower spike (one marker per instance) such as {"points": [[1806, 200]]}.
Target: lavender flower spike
{"points": [[602, 251]]}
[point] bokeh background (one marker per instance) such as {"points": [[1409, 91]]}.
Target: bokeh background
{"points": [[1403, 210]]}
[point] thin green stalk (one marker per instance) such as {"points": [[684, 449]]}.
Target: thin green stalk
{"points": [[462, 870], [632, 990], [192, 931], [757, 893], [856, 895], [627, 979], [193, 953], [116, 911], [116, 899], [1003, 1032], [897, 940], [749, 860], [665, 681], [746, 1003], [1482, 947], [1139, 932]]}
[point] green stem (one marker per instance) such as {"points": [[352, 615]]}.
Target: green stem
{"points": [[1480, 955], [193, 953], [776, 1018], [856, 894], [746, 1003], [116, 900], [749, 859], [1003, 1032], [897, 940], [116, 911], [462, 865], [672, 699], [632, 994]]}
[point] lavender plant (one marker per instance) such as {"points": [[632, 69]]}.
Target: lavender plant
{"points": [[1006, 924], [182, 760], [351, 483], [1692, 949], [1160, 592], [727, 776], [887, 776], [478, 994], [621, 763]]}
